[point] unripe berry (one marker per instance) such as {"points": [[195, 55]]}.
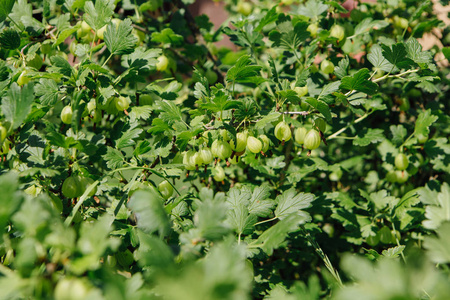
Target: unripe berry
{"points": [[301, 91], [337, 31], [265, 142], [241, 141], [313, 28], [66, 114], [327, 66], [312, 139], [187, 160], [162, 63], [401, 162], [283, 131], [218, 173], [206, 155], [254, 145], [402, 176], [122, 103], [299, 135], [166, 189], [320, 124], [421, 138]]}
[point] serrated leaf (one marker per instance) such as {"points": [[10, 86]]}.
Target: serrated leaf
{"points": [[63, 35], [377, 59], [341, 69], [127, 138], [140, 113], [372, 136], [17, 105], [61, 65], [168, 37], [439, 247], [291, 202], [398, 134], [269, 118], [9, 39], [47, 91], [393, 252], [114, 158], [437, 214], [149, 210], [242, 70], [414, 52], [424, 120], [259, 204], [396, 54], [312, 9], [170, 113], [99, 15], [5, 8], [287, 35], [269, 17], [329, 89], [273, 237], [368, 24], [240, 219], [321, 106], [359, 82], [119, 40]]}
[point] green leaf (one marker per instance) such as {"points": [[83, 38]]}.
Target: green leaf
{"points": [[288, 36], [149, 210], [119, 40], [114, 158], [359, 82], [99, 15], [289, 202], [17, 105], [414, 52], [269, 17], [446, 52], [127, 138], [424, 120], [396, 54], [5, 8], [210, 219], [341, 69], [312, 9], [437, 214], [9, 39], [242, 70], [154, 253], [371, 136], [259, 204], [439, 247], [240, 219], [269, 118], [170, 113], [47, 91], [65, 34], [398, 134], [10, 198], [377, 59], [61, 65], [321, 106], [368, 24], [393, 252], [167, 37], [273, 237]]}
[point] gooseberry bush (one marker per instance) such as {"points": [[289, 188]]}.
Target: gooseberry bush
{"points": [[140, 160]]}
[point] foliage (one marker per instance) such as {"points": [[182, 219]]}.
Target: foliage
{"points": [[186, 182]]}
